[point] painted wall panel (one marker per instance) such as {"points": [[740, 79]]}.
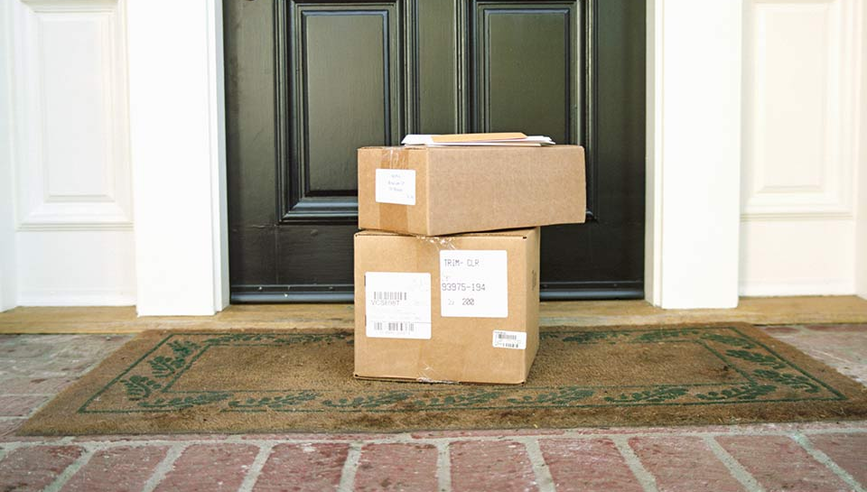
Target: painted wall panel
{"points": [[76, 268], [800, 146], [798, 257], [72, 185], [72, 164]]}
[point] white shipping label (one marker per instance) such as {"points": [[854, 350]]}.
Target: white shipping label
{"points": [[395, 186], [397, 305], [510, 339], [474, 284]]}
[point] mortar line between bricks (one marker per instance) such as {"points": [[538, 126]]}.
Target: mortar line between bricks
{"points": [[826, 460], [444, 466], [544, 480], [735, 468], [255, 469], [407, 438], [70, 470], [164, 467], [644, 477], [350, 468]]}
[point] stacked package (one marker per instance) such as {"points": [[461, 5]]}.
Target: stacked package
{"points": [[438, 298]]}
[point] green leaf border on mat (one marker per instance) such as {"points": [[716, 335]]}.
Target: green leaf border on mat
{"points": [[147, 384]]}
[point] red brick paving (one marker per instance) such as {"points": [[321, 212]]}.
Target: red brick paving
{"points": [[152, 438], [35, 468], [33, 367], [19, 405], [667, 457], [849, 451], [780, 330], [121, 468], [456, 434], [8, 426], [397, 466], [838, 328], [303, 467], [491, 465], [25, 385], [307, 436], [210, 468], [587, 465], [780, 463]]}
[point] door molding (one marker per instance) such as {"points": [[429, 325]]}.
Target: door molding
{"points": [[694, 60], [8, 257], [177, 135]]}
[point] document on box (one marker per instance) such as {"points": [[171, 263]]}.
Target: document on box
{"points": [[478, 139], [474, 284], [397, 305]]}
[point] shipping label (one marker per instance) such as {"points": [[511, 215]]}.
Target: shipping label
{"points": [[395, 186], [474, 284], [397, 305], [510, 339]]}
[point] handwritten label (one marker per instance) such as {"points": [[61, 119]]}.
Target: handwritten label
{"points": [[395, 186]]}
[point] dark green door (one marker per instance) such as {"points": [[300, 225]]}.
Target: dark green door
{"points": [[309, 82]]}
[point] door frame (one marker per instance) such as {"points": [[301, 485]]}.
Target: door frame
{"points": [[679, 132]]}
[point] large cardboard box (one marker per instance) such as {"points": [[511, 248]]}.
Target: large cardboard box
{"points": [[434, 191], [458, 308]]}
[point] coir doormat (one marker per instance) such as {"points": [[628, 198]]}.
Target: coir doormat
{"points": [[244, 382]]}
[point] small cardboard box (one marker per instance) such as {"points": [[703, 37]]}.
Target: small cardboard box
{"points": [[459, 308], [433, 191]]}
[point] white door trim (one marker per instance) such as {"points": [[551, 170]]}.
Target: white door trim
{"points": [[694, 60], [861, 172], [178, 156], [8, 260]]}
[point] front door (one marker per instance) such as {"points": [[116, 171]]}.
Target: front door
{"points": [[307, 83]]}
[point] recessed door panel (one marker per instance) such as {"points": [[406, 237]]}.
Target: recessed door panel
{"points": [[309, 82], [526, 68]]}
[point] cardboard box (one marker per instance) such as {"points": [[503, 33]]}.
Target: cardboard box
{"points": [[433, 191], [457, 308]]}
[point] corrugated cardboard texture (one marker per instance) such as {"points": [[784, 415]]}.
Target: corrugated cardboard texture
{"points": [[466, 189], [460, 349]]}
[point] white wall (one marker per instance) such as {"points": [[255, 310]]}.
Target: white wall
{"points": [[70, 156], [802, 64], [693, 146], [861, 210], [8, 263], [178, 156]]}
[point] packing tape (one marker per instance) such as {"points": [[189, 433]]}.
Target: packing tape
{"points": [[438, 242], [394, 216]]}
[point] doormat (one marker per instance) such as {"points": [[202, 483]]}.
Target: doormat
{"points": [[278, 381]]}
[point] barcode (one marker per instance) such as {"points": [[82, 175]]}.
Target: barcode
{"points": [[389, 296], [510, 339], [394, 326]]}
